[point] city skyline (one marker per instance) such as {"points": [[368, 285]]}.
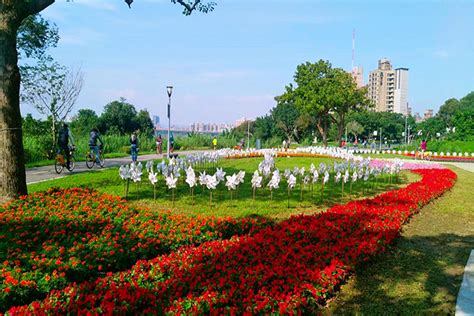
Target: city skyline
{"points": [[222, 69]]}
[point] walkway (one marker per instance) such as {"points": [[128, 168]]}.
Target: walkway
{"points": [[39, 174]]}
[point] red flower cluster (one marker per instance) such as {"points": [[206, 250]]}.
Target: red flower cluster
{"points": [[291, 267], [445, 158], [53, 238]]}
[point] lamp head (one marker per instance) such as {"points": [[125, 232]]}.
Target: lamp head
{"points": [[169, 90]]}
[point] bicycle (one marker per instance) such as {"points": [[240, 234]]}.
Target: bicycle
{"points": [[91, 158], [60, 161]]}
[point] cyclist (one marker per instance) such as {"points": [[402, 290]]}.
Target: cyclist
{"points": [[64, 137], [93, 138], [159, 144]]}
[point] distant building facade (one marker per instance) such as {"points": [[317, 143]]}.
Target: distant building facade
{"points": [[388, 88], [428, 114], [401, 91], [358, 76]]}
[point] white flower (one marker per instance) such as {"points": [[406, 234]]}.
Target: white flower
{"points": [[326, 177], [171, 182], [220, 174], [291, 181], [232, 182], [202, 178], [211, 182], [153, 178], [124, 172], [256, 180], [346, 176]]}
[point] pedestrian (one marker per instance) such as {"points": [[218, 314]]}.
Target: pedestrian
{"points": [[423, 145], [159, 144], [171, 143], [94, 136], [64, 137], [214, 142], [134, 146]]}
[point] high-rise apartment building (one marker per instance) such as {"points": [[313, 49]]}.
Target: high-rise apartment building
{"points": [[401, 91], [358, 75], [381, 88]]}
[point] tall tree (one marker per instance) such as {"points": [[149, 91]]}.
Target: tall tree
{"points": [[119, 116], [84, 121], [313, 93], [53, 90], [12, 14], [286, 117], [144, 122], [346, 97]]}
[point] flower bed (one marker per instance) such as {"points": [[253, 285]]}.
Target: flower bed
{"points": [[52, 238], [293, 266], [445, 158]]}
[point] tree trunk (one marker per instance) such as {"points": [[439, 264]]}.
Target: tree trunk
{"points": [[12, 165], [320, 125], [340, 129]]}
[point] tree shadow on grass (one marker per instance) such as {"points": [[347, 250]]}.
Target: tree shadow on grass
{"points": [[421, 275]]}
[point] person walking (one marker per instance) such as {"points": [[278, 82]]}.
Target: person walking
{"points": [[159, 144], [64, 137], [214, 142], [134, 146]]}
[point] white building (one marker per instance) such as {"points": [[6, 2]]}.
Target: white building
{"points": [[401, 91]]}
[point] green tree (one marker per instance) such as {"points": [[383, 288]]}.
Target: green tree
{"points": [[52, 90], [312, 94], [448, 110], [285, 116], [144, 122], [355, 128], [84, 121], [346, 98], [119, 116], [264, 127], [12, 14]]}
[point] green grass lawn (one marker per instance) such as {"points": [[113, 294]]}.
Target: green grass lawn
{"points": [[242, 203], [423, 271]]}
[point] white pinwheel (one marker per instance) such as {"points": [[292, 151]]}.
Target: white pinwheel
{"points": [[346, 176], [275, 180], [301, 171], [337, 177], [241, 176], [152, 176], [220, 174], [149, 166], [202, 178], [211, 182], [124, 172], [287, 173], [306, 180], [315, 176], [326, 177], [190, 177], [312, 168], [256, 180], [355, 176], [291, 181], [232, 182], [171, 182]]}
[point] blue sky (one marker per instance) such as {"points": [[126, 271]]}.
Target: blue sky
{"points": [[231, 63]]}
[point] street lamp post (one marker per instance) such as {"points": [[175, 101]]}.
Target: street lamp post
{"points": [[169, 90], [380, 147]]}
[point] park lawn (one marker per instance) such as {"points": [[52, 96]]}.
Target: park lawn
{"points": [[241, 203], [423, 272]]}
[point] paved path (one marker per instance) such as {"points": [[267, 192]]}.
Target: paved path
{"points": [[39, 174]]}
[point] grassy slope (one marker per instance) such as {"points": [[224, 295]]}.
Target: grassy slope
{"points": [[423, 272], [242, 204]]}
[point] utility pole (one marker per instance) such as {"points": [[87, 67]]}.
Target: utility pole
{"points": [[380, 148]]}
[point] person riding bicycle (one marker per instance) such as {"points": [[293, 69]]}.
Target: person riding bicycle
{"points": [[64, 137], [93, 138]]}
